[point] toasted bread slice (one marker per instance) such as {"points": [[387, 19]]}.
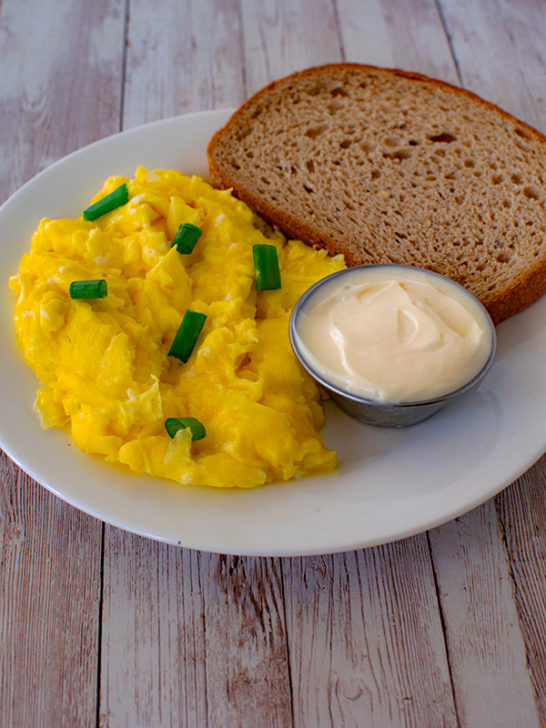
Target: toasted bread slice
{"points": [[388, 166]]}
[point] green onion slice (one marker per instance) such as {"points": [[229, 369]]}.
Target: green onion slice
{"points": [[88, 289], [116, 198], [187, 335], [173, 424], [186, 237], [266, 263]]}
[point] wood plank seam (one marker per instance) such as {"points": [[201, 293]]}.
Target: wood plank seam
{"points": [[99, 629], [519, 605], [444, 628], [287, 643], [126, 11], [337, 23], [449, 39]]}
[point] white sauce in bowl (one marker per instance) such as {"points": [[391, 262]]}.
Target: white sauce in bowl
{"points": [[394, 334]]}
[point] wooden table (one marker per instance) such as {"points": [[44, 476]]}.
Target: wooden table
{"points": [[101, 627]]}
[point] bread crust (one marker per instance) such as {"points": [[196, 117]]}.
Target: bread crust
{"points": [[521, 293]]}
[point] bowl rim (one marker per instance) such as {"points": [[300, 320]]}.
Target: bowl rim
{"points": [[311, 291]]}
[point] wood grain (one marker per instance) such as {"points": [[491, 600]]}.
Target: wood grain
{"points": [[283, 37], [61, 81], [394, 34], [365, 639], [522, 512], [191, 639], [50, 586], [485, 644], [182, 57], [499, 49], [61, 88]]}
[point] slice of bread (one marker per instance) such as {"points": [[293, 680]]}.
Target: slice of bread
{"points": [[388, 166]]}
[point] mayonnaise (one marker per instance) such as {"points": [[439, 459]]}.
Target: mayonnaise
{"points": [[394, 334]]}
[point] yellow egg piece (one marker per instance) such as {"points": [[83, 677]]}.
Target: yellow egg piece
{"points": [[104, 365]]}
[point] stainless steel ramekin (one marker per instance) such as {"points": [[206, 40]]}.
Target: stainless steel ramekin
{"points": [[373, 412]]}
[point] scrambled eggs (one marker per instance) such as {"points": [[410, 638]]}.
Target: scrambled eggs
{"points": [[104, 364]]}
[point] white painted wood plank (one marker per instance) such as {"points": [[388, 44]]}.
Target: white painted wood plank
{"points": [[61, 81], [191, 639], [396, 33], [61, 88], [486, 649], [365, 639], [522, 513], [182, 57], [247, 662], [494, 652], [152, 636], [281, 37], [49, 608], [499, 46]]}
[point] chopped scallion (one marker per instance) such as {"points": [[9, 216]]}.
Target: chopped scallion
{"points": [[187, 335], [115, 199], [186, 237], [197, 429], [266, 263], [88, 289]]}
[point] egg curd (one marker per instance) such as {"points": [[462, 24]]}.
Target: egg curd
{"points": [[104, 366]]}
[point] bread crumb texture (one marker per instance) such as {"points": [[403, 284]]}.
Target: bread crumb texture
{"points": [[385, 166]]}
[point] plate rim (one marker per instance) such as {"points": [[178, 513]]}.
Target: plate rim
{"points": [[221, 115]]}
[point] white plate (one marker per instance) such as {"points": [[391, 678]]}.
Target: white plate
{"points": [[390, 483]]}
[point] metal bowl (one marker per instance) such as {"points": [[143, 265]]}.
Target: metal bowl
{"points": [[370, 411]]}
